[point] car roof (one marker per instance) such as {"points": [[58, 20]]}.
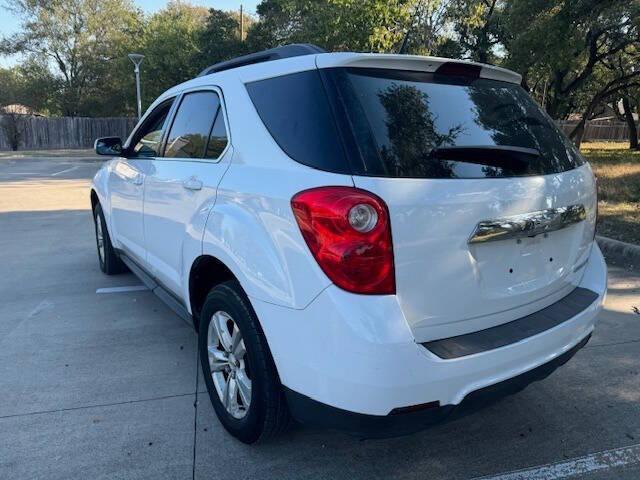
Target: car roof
{"points": [[247, 73]]}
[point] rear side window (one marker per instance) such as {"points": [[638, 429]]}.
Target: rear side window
{"points": [[425, 125], [192, 125], [218, 138], [296, 111]]}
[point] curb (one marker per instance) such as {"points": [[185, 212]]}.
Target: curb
{"points": [[620, 253]]}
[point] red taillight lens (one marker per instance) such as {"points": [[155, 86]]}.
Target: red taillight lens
{"points": [[349, 234]]}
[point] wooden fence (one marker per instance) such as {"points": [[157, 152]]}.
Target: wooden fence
{"points": [[594, 130], [44, 133]]}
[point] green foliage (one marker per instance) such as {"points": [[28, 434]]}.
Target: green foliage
{"points": [[220, 39], [172, 49], [477, 25], [11, 84], [563, 43], [574, 55], [335, 25], [29, 84], [82, 42], [429, 21]]}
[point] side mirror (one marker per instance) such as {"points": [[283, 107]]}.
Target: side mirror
{"points": [[111, 146]]}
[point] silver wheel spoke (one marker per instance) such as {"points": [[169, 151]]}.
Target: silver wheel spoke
{"points": [[230, 399], [244, 387], [226, 399], [237, 343], [100, 237], [227, 358], [218, 360], [220, 320]]}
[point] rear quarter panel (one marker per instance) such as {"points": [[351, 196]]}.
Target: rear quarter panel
{"points": [[251, 228]]}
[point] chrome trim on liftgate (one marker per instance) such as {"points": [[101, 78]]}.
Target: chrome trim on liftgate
{"points": [[527, 224]]}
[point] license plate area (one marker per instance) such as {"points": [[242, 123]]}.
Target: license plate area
{"points": [[524, 265]]}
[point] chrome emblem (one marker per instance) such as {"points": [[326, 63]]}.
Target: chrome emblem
{"points": [[527, 224]]}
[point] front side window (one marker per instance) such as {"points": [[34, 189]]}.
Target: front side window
{"points": [[148, 139], [189, 136]]}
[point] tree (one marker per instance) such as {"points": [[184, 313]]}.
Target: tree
{"points": [[84, 42], [629, 107], [335, 25], [609, 80], [220, 39], [476, 23], [172, 47], [10, 81], [10, 120], [12, 125], [565, 42], [37, 86], [429, 19]]}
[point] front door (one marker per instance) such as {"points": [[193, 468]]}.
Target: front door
{"points": [[126, 183], [180, 187]]}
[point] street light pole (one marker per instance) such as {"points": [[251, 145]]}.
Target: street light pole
{"points": [[136, 58]]}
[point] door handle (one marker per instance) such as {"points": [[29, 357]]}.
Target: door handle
{"points": [[137, 179], [192, 184]]}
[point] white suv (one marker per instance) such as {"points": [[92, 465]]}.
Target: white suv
{"points": [[363, 241]]}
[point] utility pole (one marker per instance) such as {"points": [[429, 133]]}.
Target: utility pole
{"points": [[241, 24]]}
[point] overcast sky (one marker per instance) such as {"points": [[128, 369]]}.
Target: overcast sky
{"points": [[10, 24]]}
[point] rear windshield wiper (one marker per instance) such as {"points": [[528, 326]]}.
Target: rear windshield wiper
{"points": [[516, 159]]}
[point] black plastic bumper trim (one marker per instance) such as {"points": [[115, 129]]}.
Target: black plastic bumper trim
{"points": [[316, 414], [495, 337]]}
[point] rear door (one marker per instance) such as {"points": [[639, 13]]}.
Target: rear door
{"points": [[454, 156], [126, 183], [180, 187]]}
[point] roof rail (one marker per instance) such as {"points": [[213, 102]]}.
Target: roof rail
{"points": [[286, 51]]}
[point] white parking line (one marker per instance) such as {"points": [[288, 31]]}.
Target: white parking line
{"points": [[594, 462], [132, 288], [64, 171]]}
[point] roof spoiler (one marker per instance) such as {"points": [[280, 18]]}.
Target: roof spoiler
{"points": [[418, 63], [285, 51]]}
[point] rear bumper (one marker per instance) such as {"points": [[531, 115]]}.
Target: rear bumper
{"points": [[356, 353], [313, 413]]}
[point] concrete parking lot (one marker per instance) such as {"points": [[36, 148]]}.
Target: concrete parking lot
{"points": [[103, 385]]}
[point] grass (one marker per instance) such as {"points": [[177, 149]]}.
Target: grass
{"points": [[618, 172]]}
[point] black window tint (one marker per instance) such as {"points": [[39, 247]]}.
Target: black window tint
{"points": [[296, 111], [406, 124], [147, 141], [218, 137], [192, 124]]}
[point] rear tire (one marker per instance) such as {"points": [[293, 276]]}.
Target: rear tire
{"points": [[246, 366], [108, 259]]}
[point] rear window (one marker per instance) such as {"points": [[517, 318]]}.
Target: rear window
{"points": [[395, 123]]}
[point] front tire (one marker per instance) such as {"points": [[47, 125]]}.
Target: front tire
{"points": [[240, 374], [108, 259]]}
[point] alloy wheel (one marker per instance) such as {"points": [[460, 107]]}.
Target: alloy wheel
{"points": [[229, 364], [100, 238]]}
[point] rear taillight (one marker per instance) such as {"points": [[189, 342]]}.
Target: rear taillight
{"points": [[349, 234]]}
